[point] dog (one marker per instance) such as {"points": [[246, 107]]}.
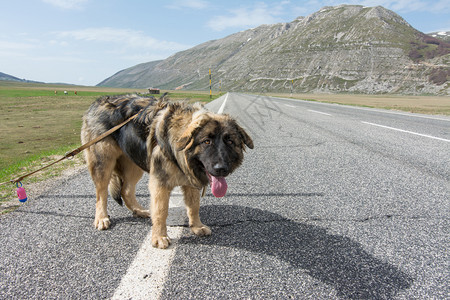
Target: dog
{"points": [[177, 143]]}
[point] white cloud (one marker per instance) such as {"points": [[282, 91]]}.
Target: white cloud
{"points": [[245, 17], [58, 43], [399, 6], [192, 4], [16, 46], [63, 58], [67, 4], [125, 37], [416, 5]]}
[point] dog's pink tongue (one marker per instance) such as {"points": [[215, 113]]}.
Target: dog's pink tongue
{"points": [[218, 186]]}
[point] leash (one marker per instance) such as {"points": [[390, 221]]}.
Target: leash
{"points": [[75, 151]]}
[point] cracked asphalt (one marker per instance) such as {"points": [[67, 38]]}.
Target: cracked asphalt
{"points": [[325, 207]]}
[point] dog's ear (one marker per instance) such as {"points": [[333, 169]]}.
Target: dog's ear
{"points": [[245, 137], [186, 140]]}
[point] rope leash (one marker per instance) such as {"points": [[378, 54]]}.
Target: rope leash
{"points": [[74, 152]]}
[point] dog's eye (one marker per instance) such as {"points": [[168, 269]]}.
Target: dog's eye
{"points": [[207, 142], [230, 142]]}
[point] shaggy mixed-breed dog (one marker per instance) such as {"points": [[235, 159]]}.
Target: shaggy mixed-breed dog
{"points": [[176, 143]]}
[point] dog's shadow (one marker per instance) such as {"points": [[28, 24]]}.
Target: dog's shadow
{"points": [[335, 260]]}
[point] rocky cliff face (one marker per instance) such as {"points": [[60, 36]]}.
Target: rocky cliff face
{"points": [[337, 49]]}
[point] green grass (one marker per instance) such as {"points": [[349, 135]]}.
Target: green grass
{"points": [[22, 166], [33, 125], [32, 93]]}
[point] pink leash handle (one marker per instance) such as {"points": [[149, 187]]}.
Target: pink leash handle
{"points": [[21, 192]]}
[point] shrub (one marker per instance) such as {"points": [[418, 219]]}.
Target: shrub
{"points": [[439, 76]]}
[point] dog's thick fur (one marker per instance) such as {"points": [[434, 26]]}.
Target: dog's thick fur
{"points": [[177, 143]]}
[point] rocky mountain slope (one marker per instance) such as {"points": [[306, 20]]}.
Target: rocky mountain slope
{"points": [[347, 48], [442, 35], [134, 77]]}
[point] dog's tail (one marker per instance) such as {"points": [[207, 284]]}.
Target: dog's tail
{"points": [[115, 188]]}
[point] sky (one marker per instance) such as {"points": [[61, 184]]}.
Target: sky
{"points": [[85, 41]]}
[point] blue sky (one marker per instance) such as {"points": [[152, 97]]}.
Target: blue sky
{"points": [[86, 41]]}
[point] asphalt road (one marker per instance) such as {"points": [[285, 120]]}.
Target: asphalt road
{"points": [[333, 202]]}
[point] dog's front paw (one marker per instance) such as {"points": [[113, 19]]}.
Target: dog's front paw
{"points": [[102, 223], [141, 213], [201, 230], [161, 242]]}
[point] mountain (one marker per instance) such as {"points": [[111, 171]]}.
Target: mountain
{"points": [[134, 77], [8, 77], [346, 48], [4, 76], [442, 35]]}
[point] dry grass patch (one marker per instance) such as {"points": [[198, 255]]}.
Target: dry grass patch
{"points": [[434, 105]]}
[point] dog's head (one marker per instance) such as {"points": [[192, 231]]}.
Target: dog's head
{"points": [[213, 145]]}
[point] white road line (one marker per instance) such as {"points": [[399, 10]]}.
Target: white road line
{"points": [[319, 112], [290, 105], [148, 272], [222, 107], [407, 131]]}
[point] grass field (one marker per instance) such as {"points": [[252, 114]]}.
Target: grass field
{"points": [[38, 125]]}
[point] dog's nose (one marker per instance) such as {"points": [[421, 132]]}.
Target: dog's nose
{"points": [[221, 169]]}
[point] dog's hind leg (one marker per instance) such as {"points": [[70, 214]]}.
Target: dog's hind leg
{"points": [[130, 174], [192, 201], [101, 159], [101, 174]]}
